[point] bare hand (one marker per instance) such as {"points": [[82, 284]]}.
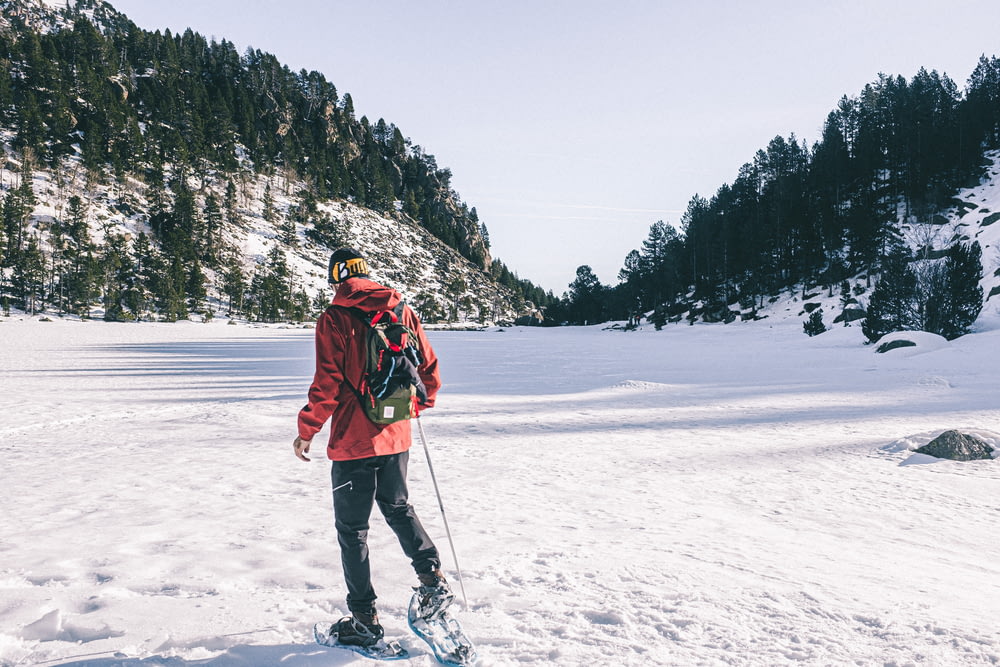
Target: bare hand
{"points": [[301, 448]]}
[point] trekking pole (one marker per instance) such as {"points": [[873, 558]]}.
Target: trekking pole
{"points": [[454, 555]]}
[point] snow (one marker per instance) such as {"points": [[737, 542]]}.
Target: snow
{"points": [[710, 494]]}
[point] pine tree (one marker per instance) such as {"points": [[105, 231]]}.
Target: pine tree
{"points": [[846, 298], [229, 203], [29, 277], [455, 289], [79, 269], [57, 264], [299, 307], [964, 271], [186, 237], [656, 266], [170, 298], [893, 301], [270, 292], [982, 106], [586, 297], [83, 289], [195, 287], [3, 234], [483, 231], [234, 284], [213, 226], [268, 204], [147, 270], [17, 207], [30, 125], [117, 279], [931, 306], [288, 233]]}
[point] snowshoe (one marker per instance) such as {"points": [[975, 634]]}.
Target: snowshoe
{"points": [[351, 634], [443, 633]]}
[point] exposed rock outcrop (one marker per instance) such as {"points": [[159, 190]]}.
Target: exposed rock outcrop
{"points": [[957, 446]]}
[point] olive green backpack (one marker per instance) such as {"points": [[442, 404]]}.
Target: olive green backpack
{"points": [[391, 386]]}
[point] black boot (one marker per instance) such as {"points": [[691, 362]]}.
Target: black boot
{"points": [[359, 629]]}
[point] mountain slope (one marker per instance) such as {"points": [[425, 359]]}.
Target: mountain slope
{"points": [[151, 132], [401, 253]]}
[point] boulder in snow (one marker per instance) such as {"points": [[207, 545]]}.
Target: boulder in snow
{"points": [[894, 345], [851, 314], [957, 446], [920, 341]]}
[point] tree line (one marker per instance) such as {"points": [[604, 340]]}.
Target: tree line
{"points": [[817, 215]]}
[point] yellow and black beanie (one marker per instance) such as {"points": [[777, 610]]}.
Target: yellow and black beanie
{"points": [[346, 263]]}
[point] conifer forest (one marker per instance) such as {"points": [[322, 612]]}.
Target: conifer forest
{"points": [[816, 216]]}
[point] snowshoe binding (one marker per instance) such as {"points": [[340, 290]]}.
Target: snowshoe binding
{"points": [[362, 634], [433, 595]]}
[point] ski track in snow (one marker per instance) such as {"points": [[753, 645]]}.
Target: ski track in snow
{"points": [[739, 495]]}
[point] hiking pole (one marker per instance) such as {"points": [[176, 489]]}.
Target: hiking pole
{"points": [[454, 555]]}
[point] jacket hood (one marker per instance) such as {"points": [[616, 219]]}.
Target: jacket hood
{"points": [[366, 295]]}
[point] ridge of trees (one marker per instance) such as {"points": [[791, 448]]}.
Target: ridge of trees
{"points": [[800, 215]]}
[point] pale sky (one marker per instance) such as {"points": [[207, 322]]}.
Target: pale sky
{"points": [[572, 126]]}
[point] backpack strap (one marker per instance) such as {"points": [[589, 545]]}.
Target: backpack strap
{"points": [[377, 317], [363, 316], [380, 316]]}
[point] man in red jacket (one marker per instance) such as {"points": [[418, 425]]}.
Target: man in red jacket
{"points": [[369, 460]]}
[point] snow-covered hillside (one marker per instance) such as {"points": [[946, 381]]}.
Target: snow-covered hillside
{"points": [[975, 216], [703, 495], [401, 253]]}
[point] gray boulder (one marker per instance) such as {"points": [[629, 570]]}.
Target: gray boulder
{"points": [[851, 314], [894, 345], [957, 447]]}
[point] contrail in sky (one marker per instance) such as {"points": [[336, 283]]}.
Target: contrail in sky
{"points": [[593, 207]]}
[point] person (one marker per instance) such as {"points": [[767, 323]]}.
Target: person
{"points": [[369, 461]]}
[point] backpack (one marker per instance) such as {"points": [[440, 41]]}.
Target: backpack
{"points": [[391, 385]]}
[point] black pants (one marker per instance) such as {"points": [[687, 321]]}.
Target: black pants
{"points": [[356, 485]]}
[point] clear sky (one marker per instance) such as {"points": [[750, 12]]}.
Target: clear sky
{"points": [[572, 126]]}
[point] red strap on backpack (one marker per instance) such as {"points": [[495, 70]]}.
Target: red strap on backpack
{"points": [[377, 317]]}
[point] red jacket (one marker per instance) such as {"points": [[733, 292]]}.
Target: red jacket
{"points": [[340, 356]]}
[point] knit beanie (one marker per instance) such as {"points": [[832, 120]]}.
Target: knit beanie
{"points": [[346, 263]]}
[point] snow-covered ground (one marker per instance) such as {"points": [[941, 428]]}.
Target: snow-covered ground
{"points": [[703, 495]]}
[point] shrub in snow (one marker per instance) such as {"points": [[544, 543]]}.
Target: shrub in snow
{"points": [[814, 325]]}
